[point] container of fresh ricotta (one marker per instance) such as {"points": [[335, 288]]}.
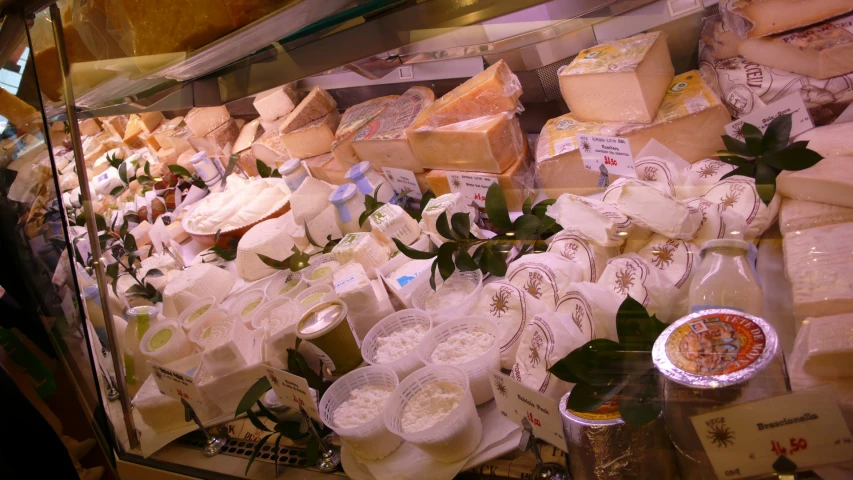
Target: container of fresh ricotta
{"points": [[354, 408], [393, 341], [246, 304], [452, 298], [195, 311], [285, 284], [470, 343], [433, 408]]}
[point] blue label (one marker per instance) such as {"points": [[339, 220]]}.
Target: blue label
{"points": [[294, 183], [343, 213], [402, 281]]}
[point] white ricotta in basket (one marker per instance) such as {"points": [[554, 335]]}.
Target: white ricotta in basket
{"points": [[462, 347], [398, 344], [429, 406], [362, 405], [450, 293]]}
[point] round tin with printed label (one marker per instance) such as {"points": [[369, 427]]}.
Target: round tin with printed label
{"points": [[715, 348], [327, 329]]}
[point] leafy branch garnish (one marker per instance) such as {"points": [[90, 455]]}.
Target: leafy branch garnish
{"points": [[265, 171], [123, 247], [226, 251], [371, 205], [184, 174], [764, 156]]}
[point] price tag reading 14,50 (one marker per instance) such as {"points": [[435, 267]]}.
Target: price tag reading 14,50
{"points": [[614, 153]]}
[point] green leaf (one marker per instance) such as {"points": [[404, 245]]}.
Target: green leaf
{"points": [[527, 206], [412, 253], [112, 270], [180, 171], [252, 395], [464, 262], [363, 217], [752, 136], [257, 421], [266, 412], [736, 146], [427, 196], [589, 398], [539, 208], [597, 362], [275, 173], [637, 330], [461, 224], [496, 207], [778, 134], [275, 452], [765, 182], [117, 191], [497, 264], [312, 451], [525, 226], [130, 243], [122, 173], [747, 171], [314, 380], [276, 264], [445, 259], [256, 451], [432, 275], [734, 159], [563, 370], [792, 159], [442, 226], [144, 179], [264, 170], [289, 430], [640, 402], [100, 222], [308, 236]]}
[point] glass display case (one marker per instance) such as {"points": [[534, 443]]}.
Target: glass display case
{"points": [[579, 239]]}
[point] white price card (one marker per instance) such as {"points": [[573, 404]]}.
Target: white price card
{"points": [[179, 386], [517, 401], [612, 152], [472, 187], [401, 179], [806, 427], [801, 121], [293, 391]]}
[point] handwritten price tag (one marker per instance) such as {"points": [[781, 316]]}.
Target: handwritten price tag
{"points": [[516, 401], [806, 427], [761, 118], [293, 391], [401, 180], [472, 187], [612, 152], [179, 386]]}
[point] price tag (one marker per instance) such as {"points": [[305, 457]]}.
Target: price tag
{"points": [[293, 391], [806, 427], [516, 401], [178, 385], [403, 180], [801, 121], [612, 152], [472, 187]]}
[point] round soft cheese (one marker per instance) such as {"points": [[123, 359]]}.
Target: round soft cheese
{"points": [[193, 283]]}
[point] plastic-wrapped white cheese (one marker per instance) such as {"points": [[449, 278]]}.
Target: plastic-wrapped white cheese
{"points": [[631, 275], [593, 219], [544, 276], [363, 248], [390, 221], [657, 211], [654, 171], [677, 260], [450, 203], [353, 287], [510, 308], [699, 177], [590, 256], [830, 346], [593, 309], [717, 222], [739, 195], [546, 340]]}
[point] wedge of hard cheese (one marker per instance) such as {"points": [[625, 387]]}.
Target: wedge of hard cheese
{"points": [[817, 262], [494, 90], [314, 138], [352, 121], [821, 51], [830, 181], [248, 134], [485, 144], [269, 148], [620, 81], [204, 120], [224, 134], [383, 142], [316, 105], [797, 215], [760, 18], [276, 103], [689, 122]]}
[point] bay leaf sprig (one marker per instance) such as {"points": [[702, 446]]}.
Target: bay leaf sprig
{"points": [[764, 156]]}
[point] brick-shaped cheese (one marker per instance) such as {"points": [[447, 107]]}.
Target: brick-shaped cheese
{"points": [[316, 105], [150, 121], [759, 18], [204, 120], [619, 81], [689, 122], [486, 144], [795, 215], [277, 102], [383, 141], [352, 121], [159, 138], [134, 135], [830, 181], [494, 90], [314, 138], [224, 134], [817, 262]]}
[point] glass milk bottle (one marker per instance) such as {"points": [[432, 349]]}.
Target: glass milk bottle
{"points": [[350, 205], [726, 279], [139, 320]]}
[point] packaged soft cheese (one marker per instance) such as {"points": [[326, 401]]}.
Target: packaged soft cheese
{"points": [[630, 274], [677, 260], [593, 309], [510, 307], [544, 276], [590, 256], [740, 195], [593, 219], [545, 341]]}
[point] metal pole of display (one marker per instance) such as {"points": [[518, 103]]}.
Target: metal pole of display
{"points": [[91, 228]]}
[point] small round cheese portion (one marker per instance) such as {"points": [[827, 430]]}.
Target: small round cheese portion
{"points": [[398, 344], [462, 347], [193, 283], [363, 248], [362, 405], [431, 405]]}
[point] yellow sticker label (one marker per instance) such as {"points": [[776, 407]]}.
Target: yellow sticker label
{"points": [[608, 411], [613, 57]]}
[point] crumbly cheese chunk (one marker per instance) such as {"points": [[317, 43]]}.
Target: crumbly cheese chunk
{"points": [[362, 405], [398, 344], [431, 405], [462, 347]]}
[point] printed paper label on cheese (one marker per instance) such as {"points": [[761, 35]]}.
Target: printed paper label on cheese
{"points": [[472, 187], [715, 344], [608, 411], [613, 57], [612, 152], [178, 386], [823, 36], [293, 391], [806, 427], [401, 180], [516, 401], [801, 121]]}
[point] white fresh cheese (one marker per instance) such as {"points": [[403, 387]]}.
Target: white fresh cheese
{"points": [[243, 202], [830, 346], [462, 347], [658, 211], [699, 177], [363, 248], [390, 221], [592, 219], [545, 276], [830, 140], [739, 195], [398, 344], [362, 405], [193, 283], [592, 308], [830, 181], [449, 203], [324, 225], [311, 198], [797, 215], [228, 347], [430, 405], [590, 256], [717, 221], [266, 238], [353, 286], [631, 275]]}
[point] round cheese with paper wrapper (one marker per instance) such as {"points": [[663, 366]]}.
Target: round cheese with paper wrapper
{"points": [[590, 256], [545, 276], [630, 274], [593, 309], [740, 195], [677, 260]]}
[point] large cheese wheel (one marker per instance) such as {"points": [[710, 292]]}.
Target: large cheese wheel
{"points": [[266, 238]]}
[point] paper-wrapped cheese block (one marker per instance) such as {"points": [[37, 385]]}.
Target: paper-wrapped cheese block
{"points": [[717, 221], [630, 274], [590, 256], [545, 276], [352, 121], [619, 81], [677, 260], [701, 176], [759, 18], [276, 103], [316, 105], [593, 309]]}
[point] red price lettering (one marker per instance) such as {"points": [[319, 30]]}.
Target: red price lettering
{"points": [[533, 420], [182, 394], [299, 401], [796, 445], [610, 161], [480, 197]]}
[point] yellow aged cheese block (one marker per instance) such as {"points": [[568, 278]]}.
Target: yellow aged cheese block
{"points": [[89, 127], [316, 105], [203, 120], [134, 136], [352, 121], [314, 138], [759, 18]]}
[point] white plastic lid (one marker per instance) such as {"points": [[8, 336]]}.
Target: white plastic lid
{"points": [[343, 193], [724, 243], [290, 165]]}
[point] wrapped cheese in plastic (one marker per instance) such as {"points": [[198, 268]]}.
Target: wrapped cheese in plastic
{"points": [[759, 18]]}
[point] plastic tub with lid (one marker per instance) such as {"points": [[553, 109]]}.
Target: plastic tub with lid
{"points": [[190, 316], [315, 295]]}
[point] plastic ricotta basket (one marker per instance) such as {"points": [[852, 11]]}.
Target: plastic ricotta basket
{"points": [[280, 280], [442, 306], [410, 362], [371, 440], [190, 316]]}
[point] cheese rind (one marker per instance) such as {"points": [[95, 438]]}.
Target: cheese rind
{"points": [[619, 81], [759, 18], [203, 120], [830, 181], [134, 136], [224, 134], [276, 103], [313, 139], [89, 127], [316, 105], [487, 144], [383, 142], [494, 90], [797, 215], [352, 121]]}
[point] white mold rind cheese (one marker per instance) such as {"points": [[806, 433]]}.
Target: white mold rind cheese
{"points": [[590, 256], [592, 308], [544, 276]]}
